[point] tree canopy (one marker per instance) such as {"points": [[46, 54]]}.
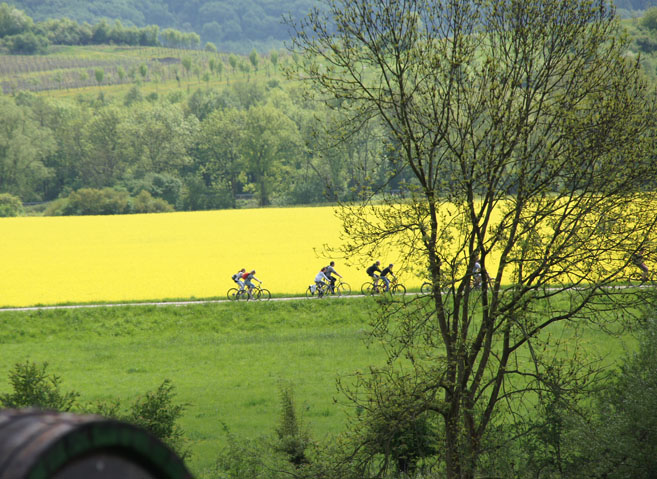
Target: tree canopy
{"points": [[528, 135], [219, 21]]}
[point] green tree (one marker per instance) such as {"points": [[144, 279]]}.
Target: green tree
{"points": [[232, 61], [621, 438], [649, 19], [33, 386], [24, 146], [158, 137], [10, 205], [187, 64], [13, 21], [219, 151], [253, 58], [143, 71], [527, 132], [99, 73], [293, 439], [105, 156], [271, 140]]}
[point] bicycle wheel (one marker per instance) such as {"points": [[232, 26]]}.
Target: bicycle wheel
{"points": [[232, 294], [369, 289], [309, 292], [343, 289], [398, 289], [426, 288], [264, 294]]}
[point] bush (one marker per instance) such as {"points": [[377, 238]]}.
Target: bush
{"points": [[34, 387], [56, 207], [159, 185], [646, 44], [293, 440], [145, 203], [10, 205], [91, 201], [625, 422], [157, 413], [649, 19], [26, 44]]}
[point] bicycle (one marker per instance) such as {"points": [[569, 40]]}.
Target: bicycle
{"points": [[260, 293], [341, 288], [426, 288], [235, 294], [318, 290], [257, 293], [369, 288]]}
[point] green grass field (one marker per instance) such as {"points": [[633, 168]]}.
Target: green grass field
{"points": [[225, 360]]}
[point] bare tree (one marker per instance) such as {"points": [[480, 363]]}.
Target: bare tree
{"points": [[528, 132]]}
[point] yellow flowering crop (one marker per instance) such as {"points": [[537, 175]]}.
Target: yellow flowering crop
{"points": [[48, 260]]}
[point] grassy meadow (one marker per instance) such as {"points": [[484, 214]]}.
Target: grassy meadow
{"points": [[82, 259], [226, 361]]}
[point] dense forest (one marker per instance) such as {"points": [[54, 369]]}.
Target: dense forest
{"points": [[208, 149], [235, 26], [186, 130]]}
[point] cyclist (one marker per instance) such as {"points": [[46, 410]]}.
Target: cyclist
{"points": [[247, 277], [371, 272], [237, 277], [639, 261], [329, 272], [476, 272], [384, 276], [320, 281]]}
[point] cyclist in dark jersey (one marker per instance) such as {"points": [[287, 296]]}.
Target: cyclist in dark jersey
{"points": [[372, 270], [638, 259], [329, 272], [384, 276]]}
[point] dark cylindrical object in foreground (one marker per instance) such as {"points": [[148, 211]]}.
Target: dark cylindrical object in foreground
{"points": [[38, 444]]}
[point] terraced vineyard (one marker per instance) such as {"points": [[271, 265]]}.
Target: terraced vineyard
{"points": [[71, 68]]}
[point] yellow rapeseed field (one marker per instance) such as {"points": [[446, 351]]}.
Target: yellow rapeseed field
{"points": [[50, 260]]}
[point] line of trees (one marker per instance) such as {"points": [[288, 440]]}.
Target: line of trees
{"points": [[238, 25], [202, 150], [19, 34]]}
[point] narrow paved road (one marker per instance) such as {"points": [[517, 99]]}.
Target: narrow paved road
{"points": [[155, 303]]}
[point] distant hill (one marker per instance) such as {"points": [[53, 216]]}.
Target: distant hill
{"points": [[635, 4], [233, 25]]}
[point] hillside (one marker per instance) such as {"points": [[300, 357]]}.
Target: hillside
{"points": [[234, 26]]}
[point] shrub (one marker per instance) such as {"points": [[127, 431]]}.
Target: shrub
{"points": [[625, 422], [145, 203], [159, 185], [649, 19], [10, 205], [26, 43], [91, 201], [34, 387], [293, 440], [56, 207], [157, 413], [646, 43]]}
